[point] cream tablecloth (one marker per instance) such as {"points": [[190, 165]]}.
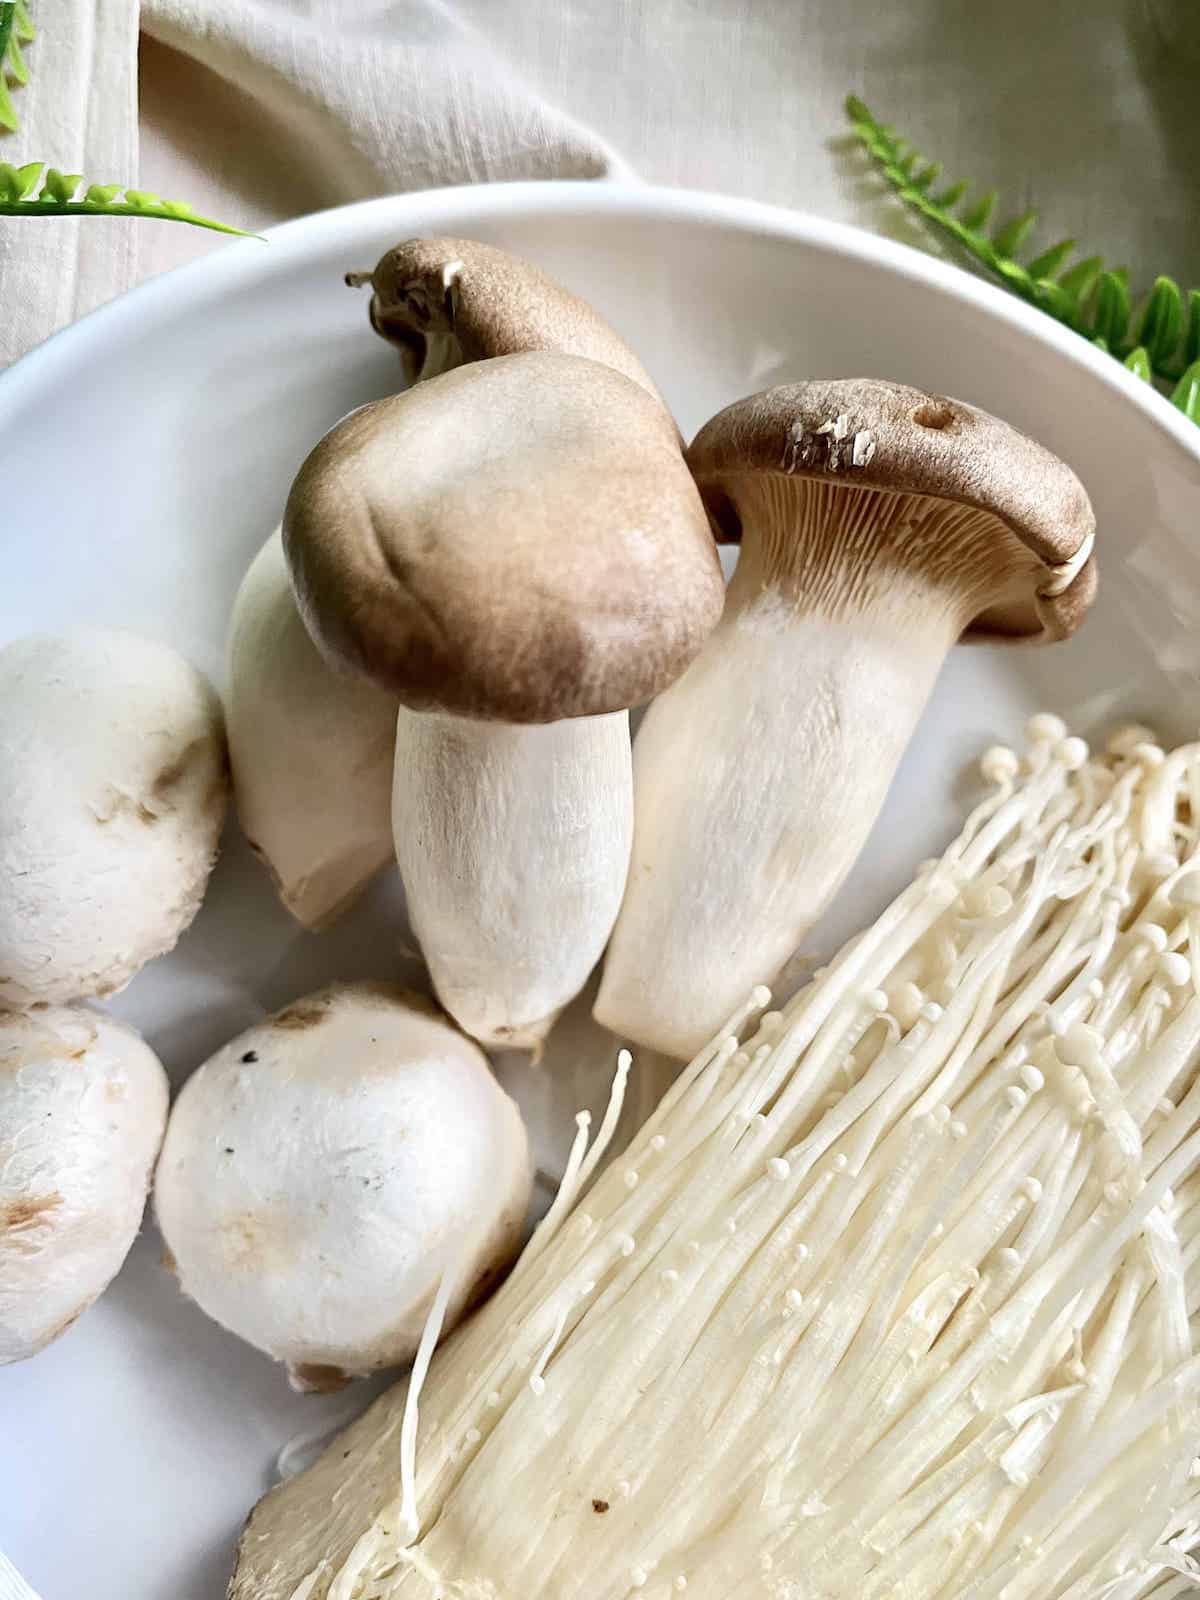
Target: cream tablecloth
{"points": [[256, 110]]}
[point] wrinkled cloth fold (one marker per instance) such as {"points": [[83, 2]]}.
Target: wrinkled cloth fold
{"points": [[257, 110], [268, 108]]}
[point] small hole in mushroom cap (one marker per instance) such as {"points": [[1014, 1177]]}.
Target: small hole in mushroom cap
{"points": [[932, 415]]}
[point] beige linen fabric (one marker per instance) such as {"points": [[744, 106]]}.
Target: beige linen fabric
{"points": [[266, 108], [79, 112], [256, 110]]}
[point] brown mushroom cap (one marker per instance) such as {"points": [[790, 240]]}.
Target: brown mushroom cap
{"points": [[518, 539], [865, 434], [491, 303]]}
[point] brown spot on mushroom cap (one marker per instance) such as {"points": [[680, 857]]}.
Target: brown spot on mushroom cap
{"points": [[518, 540], [28, 1211], [491, 303], [311, 1378], [299, 1017], [313, 1009], [870, 434]]}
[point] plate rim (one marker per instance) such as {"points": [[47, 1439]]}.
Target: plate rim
{"points": [[133, 316], [238, 264]]}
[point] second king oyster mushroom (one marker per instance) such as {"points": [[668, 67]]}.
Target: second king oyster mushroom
{"points": [[877, 525], [311, 744], [516, 550]]}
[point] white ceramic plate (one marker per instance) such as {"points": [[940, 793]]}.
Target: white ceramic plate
{"points": [[146, 453]]}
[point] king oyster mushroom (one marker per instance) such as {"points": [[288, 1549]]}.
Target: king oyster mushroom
{"points": [[445, 302], [311, 751], [517, 552], [312, 746], [877, 525]]}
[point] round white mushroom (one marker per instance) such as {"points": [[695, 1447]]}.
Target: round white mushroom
{"points": [[83, 1103], [326, 1169], [112, 795]]}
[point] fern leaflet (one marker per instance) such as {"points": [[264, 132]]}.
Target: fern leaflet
{"points": [[25, 192], [15, 30]]}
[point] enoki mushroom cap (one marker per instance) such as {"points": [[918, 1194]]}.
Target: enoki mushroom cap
{"points": [[907, 481], [517, 540], [490, 303]]}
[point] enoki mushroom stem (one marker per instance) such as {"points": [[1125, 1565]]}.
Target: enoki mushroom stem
{"points": [[897, 1291]]}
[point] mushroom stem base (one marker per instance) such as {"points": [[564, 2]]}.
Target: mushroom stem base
{"points": [[513, 844]]}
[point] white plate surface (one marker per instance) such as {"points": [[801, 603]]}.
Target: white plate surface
{"points": [[146, 453]]}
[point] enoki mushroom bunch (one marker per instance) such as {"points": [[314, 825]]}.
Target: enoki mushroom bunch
{"points": [[896, 1293]]}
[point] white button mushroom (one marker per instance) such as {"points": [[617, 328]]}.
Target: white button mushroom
{"points": [[515, 542], [323, 1171], [311, 751], [83, 1102], [112, 795], [877, 525]]}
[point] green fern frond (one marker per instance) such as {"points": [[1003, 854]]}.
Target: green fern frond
{"points": [[58, 194], [15, 30], [25, 192], [1162, 342]]}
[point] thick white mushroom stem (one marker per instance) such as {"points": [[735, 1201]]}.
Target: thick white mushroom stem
{"points": [[513, 844], [311, 750], [760, 773]]}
